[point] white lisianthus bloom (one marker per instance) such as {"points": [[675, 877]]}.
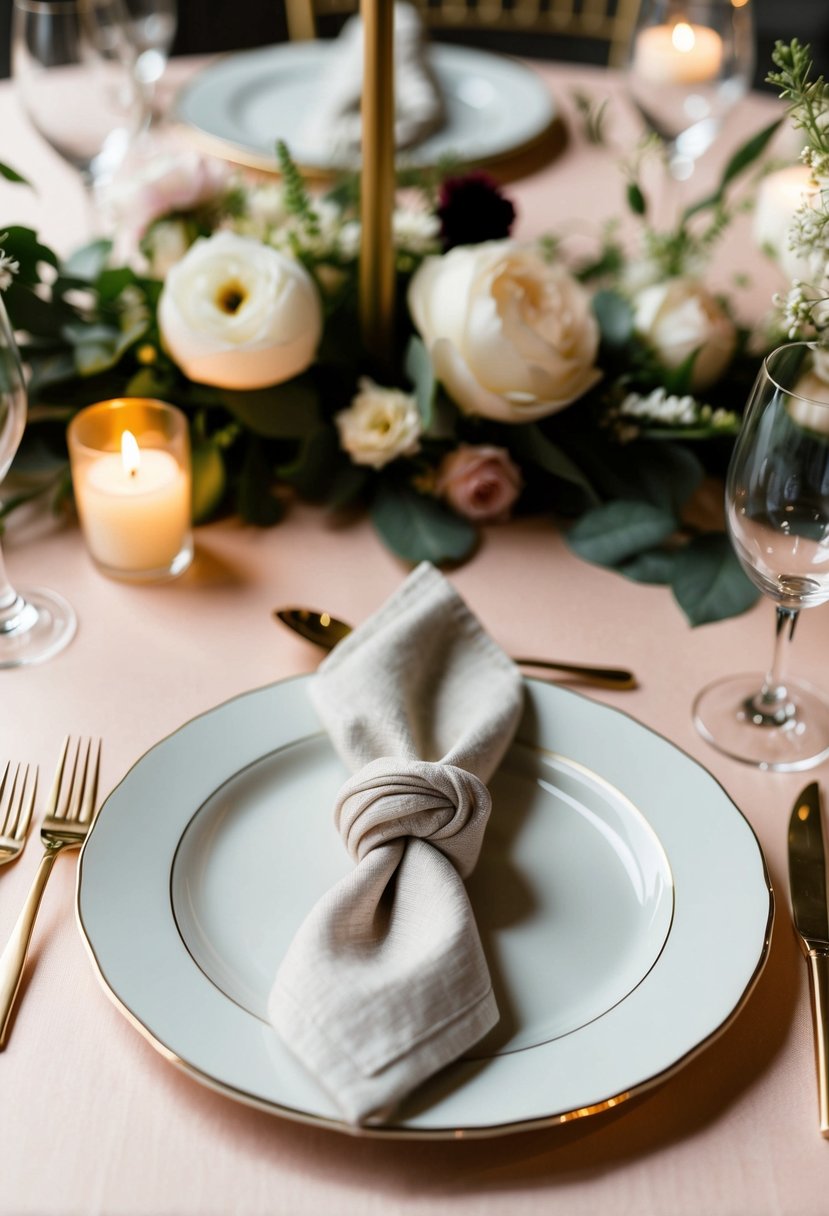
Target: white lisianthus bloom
{"points": [[379, 425], [511, 337], [238, 314], [679, 317]]}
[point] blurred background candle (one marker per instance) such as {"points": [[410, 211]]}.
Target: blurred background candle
{"points": [[781, 194], [131, 476], [678, 54]]}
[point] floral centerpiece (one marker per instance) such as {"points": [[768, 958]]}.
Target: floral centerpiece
{"points": [[597, 391]]}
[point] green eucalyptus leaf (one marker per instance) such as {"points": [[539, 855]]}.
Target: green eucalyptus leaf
{"points": [[149, 381], [655, 566], [283, 411], [346, 487], [11, 175], [636, 199], [529, 443], [708, 582], [313, 468], [419, 528], [30, 313], [615, 317], [23, 245], [87, 263], [418, 367], [617, 531], [47, 370], [743, 158]]}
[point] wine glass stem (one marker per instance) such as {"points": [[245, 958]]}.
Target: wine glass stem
{"points": [[13, 608], [772, 702]]}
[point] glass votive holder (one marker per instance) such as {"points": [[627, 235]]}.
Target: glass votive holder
{"points": [[130, 461]]}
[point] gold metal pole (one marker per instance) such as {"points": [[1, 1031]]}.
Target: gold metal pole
{"points": [[377, 187]]}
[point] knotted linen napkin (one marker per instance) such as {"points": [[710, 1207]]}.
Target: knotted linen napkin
{"points": [[335, 122], [385, 981]]}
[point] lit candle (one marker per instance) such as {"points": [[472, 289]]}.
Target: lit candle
{"points": [[133, 503], [780, 195], [678, 54]]}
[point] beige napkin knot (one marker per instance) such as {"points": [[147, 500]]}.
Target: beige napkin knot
{"points": [[390, 799], [386, 980]]}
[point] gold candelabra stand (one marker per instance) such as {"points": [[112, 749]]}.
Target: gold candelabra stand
{"points": [[377, 180]]}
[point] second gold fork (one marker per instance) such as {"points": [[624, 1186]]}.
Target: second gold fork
{"points": [[69, 815]]}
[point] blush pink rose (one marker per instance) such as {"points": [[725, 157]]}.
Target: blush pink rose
{"points": [[168, 184], [479, 482]]}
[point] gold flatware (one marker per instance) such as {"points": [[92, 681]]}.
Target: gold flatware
{"points": [[17, 796], [326, 631], [69, 815], [807, 884]]}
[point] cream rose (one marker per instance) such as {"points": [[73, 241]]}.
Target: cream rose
{"points": [[479, 482], [237, 314], [679, 317], [511, 337], [379, 425]]}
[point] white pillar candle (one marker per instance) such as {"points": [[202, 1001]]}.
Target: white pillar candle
{"points": [[133, 504], [780, 195], [678, 54]]}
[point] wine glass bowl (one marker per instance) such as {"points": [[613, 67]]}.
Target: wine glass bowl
{"points": [[688, 64], [72, 67], [777, 515], [34, 625]]}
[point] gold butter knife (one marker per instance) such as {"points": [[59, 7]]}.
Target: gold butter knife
{"points": [[807, 884]]}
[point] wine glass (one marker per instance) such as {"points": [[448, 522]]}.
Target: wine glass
{"points": [[777, 514], [72, 62], [151, 25], [34, 625], [689, 62]]}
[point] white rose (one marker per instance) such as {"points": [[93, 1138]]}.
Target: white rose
{"points": [[237, 314], [679, 317], [379, 425], [511, 337]]}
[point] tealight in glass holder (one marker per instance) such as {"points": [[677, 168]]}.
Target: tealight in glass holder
{"points": [[130, 461]]}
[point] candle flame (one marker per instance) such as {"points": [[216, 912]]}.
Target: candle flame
{"points": [[683, 37], [130, 454]]}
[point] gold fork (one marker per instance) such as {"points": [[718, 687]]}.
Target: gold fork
{"points": [[69, 815], [19, 802]]}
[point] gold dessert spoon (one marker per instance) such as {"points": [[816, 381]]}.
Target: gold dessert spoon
{"points": [[326, 631]]}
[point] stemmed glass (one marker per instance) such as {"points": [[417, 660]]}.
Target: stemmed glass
{"points": [[34, 625], [151, 25], [72, 62], [688, 63], [777, 514]]}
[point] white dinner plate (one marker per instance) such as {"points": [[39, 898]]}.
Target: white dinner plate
{"points": [[245, 102], [622, 898]]}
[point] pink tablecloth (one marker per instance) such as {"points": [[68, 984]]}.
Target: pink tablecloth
{"points": [[93, 1120]]}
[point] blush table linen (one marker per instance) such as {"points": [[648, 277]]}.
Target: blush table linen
{"points": [[94, 1120]]}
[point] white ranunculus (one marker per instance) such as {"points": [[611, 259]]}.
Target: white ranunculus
{"points": [[379, 425], [235, 313], [511, 337], [679, 317]]}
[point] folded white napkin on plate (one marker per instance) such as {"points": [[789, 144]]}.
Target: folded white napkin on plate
{"points": [[335, 123], [386, 981]]}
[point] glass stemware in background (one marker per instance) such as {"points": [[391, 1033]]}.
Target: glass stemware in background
{"points": [[72, 63], [777, 512], [689, 63], [34, 625], [152, 27]]}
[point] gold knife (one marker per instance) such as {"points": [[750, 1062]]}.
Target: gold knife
{"points": [[807, 884]]}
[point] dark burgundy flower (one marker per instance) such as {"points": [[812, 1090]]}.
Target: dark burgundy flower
{"points": [[472, 209]]}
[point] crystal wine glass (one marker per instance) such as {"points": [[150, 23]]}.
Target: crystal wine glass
{"points": [[777, 513], [151, 26], [688, 63], [34, 625], [72, 62]]}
